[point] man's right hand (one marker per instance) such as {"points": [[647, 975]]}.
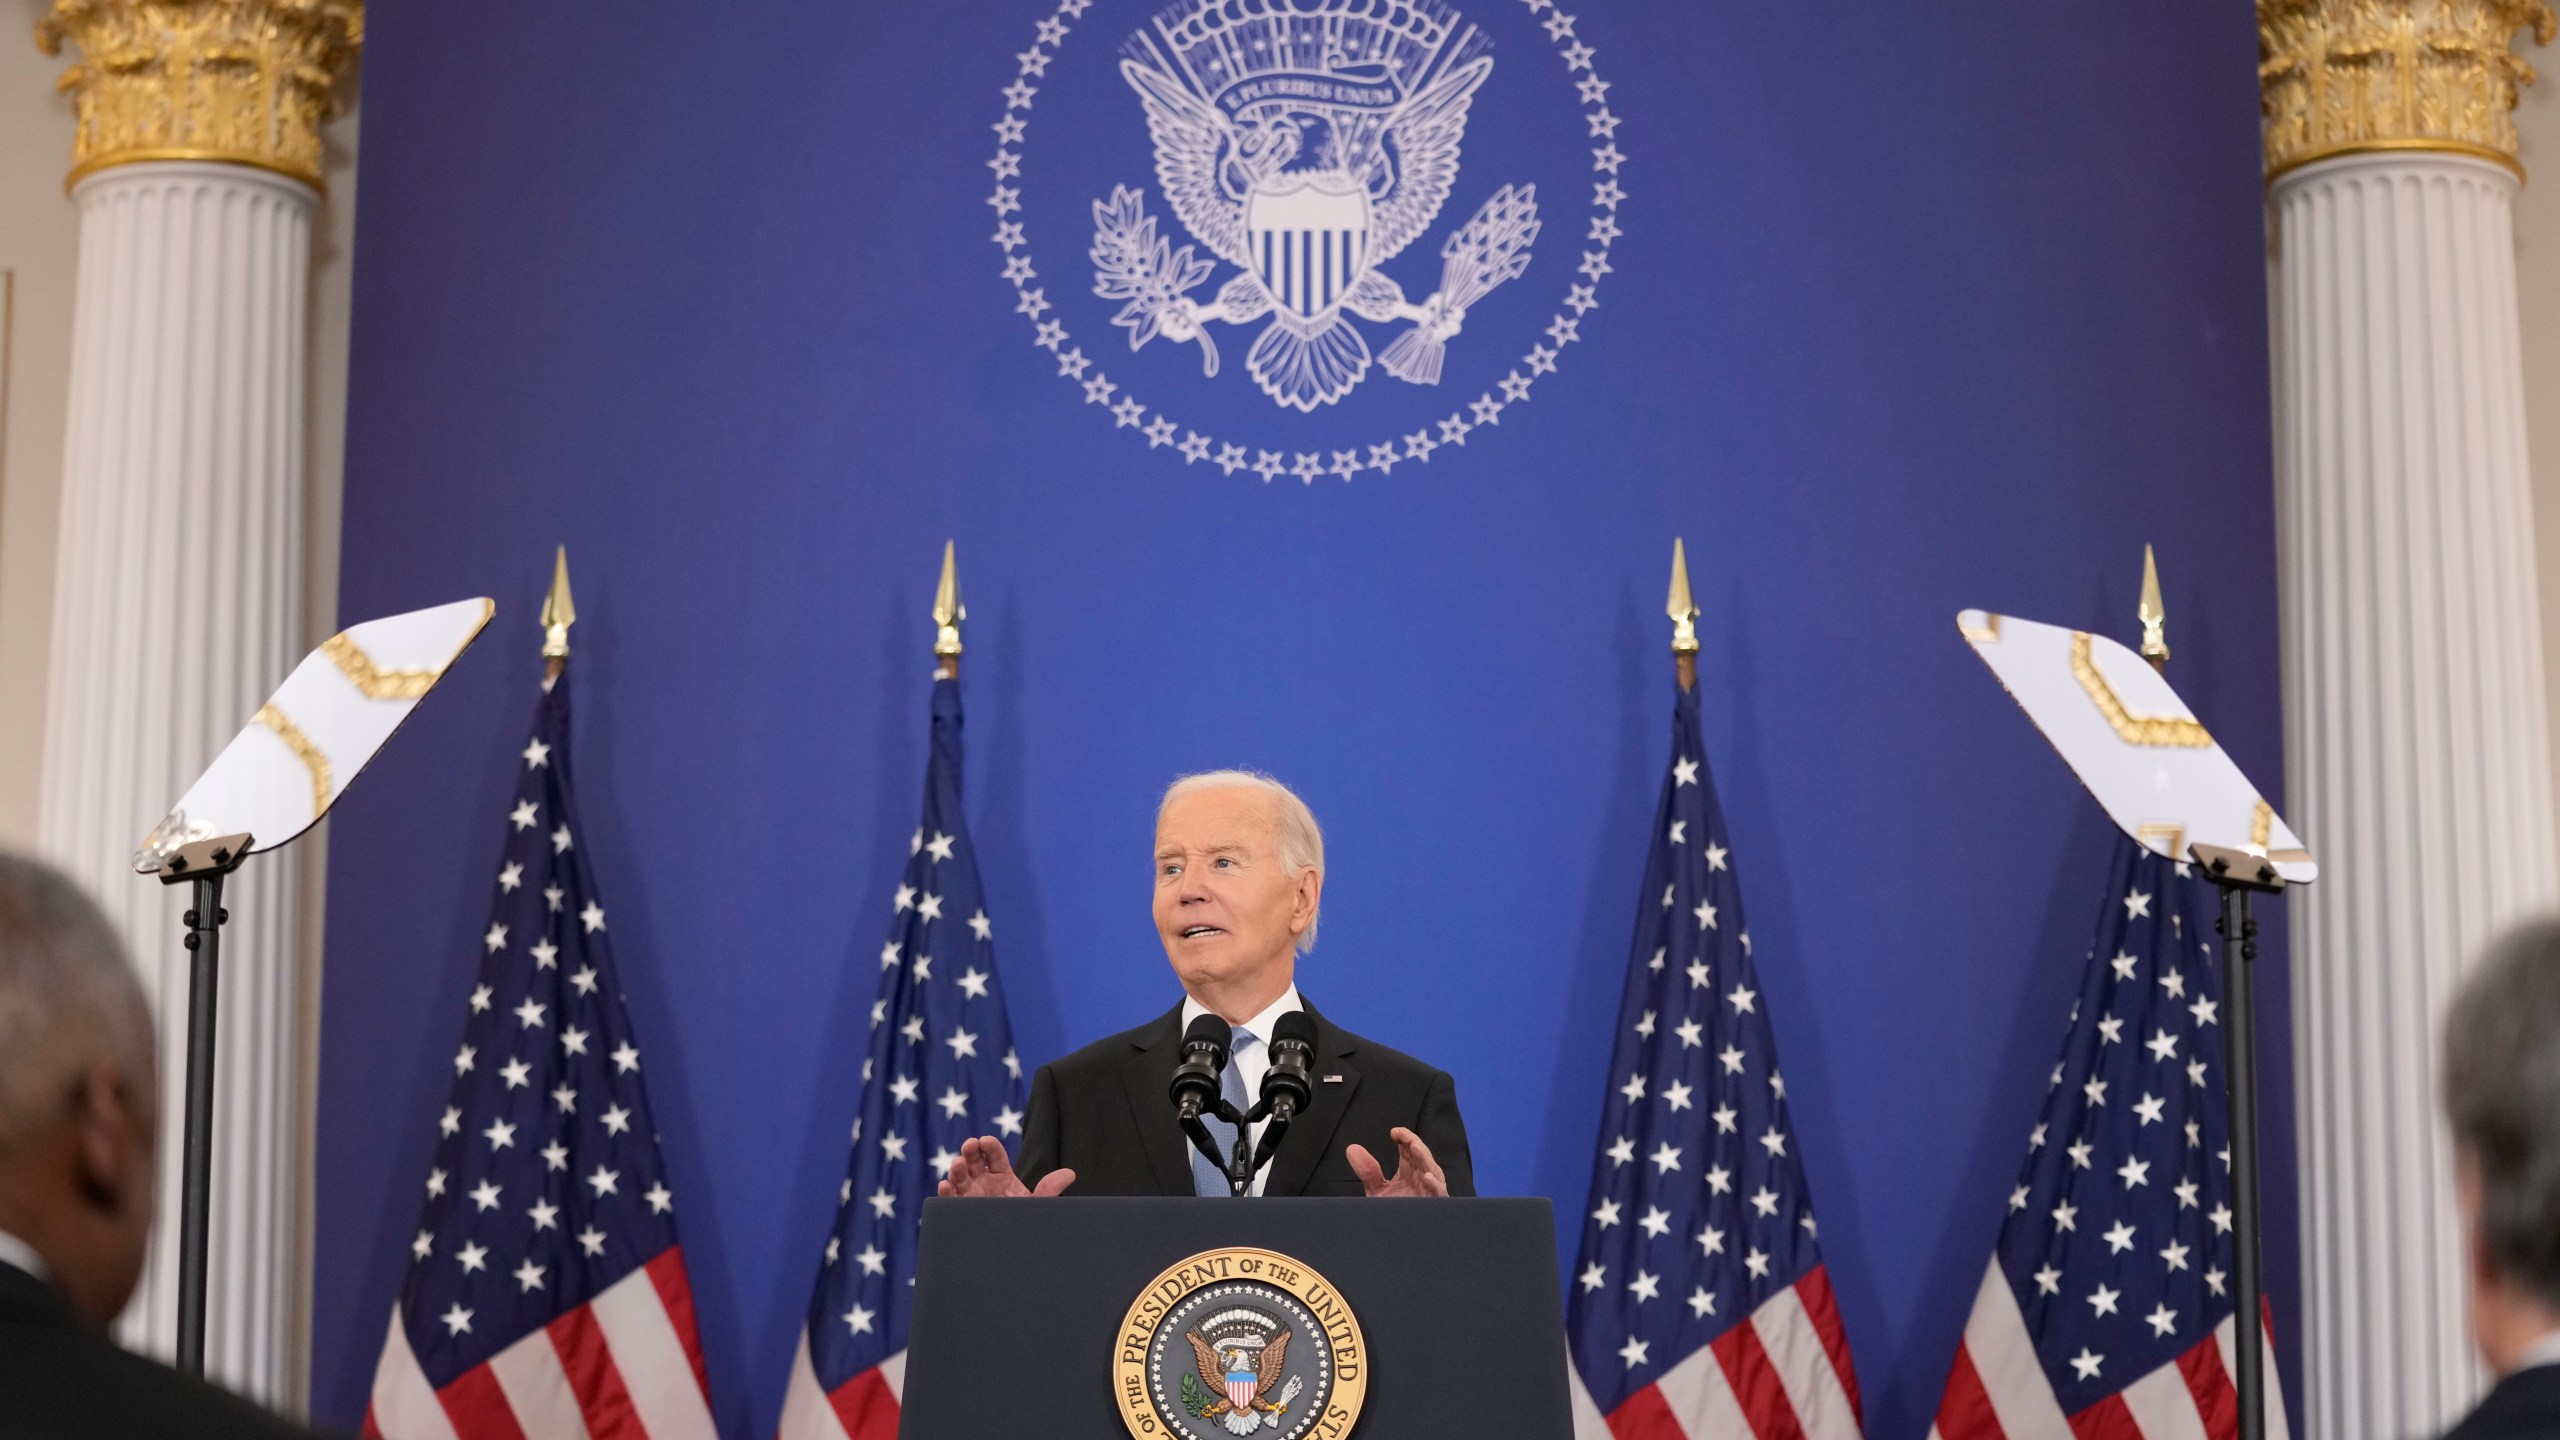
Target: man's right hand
{"points": [[984, 1169]]}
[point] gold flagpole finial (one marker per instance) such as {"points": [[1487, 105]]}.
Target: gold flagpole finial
{"points": [[1684, 616], [2155, 620], [948, 612], [558, 614]]}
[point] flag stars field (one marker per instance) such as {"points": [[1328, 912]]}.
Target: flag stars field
{"points": [[941, 1050], [2113, 1253], [534, 1226], [1698, 1097]]}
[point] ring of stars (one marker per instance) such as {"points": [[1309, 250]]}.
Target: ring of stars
{"points": [[1128, 412]]}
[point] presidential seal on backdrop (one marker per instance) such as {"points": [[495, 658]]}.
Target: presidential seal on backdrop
{"points": [[1239, 1342], [1315, 223], [1307, 147]]}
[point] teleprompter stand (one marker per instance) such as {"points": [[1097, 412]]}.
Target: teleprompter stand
{"points": [[269, 786], [2151, 764], [204, 865], [1018, 1305], [2239, 875]]}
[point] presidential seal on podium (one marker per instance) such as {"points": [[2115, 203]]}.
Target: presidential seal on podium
{"points": [[1239, 1342]]}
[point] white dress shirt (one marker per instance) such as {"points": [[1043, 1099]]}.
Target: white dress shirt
{"points": [[1252, 1060], [14, 1251]]}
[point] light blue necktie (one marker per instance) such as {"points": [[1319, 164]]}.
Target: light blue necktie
{"points": [[1208, 1179]]}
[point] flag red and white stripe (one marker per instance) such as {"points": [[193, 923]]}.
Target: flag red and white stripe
{"points": [[1783, 1375], [863, 1408], [626, 1364], [1997, 1389]]}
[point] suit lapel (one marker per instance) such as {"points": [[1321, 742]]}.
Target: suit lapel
{"points": [[1310, 1136], [1148, 1077]]}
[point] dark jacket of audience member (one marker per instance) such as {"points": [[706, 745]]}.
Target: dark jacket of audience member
{"points": [[78, 1176]]}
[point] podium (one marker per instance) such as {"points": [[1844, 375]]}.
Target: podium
{"points": [[1024, 1316]]}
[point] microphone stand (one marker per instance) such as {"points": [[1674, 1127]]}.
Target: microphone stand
{"points": [[1240, 1169], [1206, 1143], [1243, 1162]]}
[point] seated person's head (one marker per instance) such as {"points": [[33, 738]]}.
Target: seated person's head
{"points": [[77, 1091], [2502, 1095]]}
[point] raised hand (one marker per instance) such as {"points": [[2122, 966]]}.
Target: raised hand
{"points": [[1416, 1172], [984, 1169]]}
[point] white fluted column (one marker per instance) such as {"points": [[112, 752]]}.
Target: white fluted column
{"points": [[177, 607], [2418, 733]]}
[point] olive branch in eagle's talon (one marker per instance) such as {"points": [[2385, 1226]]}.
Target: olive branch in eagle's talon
{"points": [[1131, 264]]}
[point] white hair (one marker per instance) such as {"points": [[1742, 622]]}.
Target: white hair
{"points": [[68, 997], [1301, 840]]}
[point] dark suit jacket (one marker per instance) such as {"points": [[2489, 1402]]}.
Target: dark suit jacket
{"points": [[2524, 1404], [1106, 1113], [60, 1380]]}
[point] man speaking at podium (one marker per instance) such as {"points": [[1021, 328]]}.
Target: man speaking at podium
{"points": [[1239, 878]]}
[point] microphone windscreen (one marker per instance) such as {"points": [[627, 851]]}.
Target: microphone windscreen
{"points": [[1207, 1031], [1204, 1058], [1296, 1027]]}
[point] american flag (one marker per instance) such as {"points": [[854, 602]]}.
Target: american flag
{"points": [[546, 1294], [940, 1070], [2106, 1312], [1700, 1305]]}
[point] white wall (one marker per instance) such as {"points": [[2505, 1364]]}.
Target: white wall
{"points": [[2538, 296], [38, 242]]}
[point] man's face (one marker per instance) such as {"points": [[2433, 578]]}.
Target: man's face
{"points": [[82, 1186], [133, 1191], [118, 1181], [1226, 906]]}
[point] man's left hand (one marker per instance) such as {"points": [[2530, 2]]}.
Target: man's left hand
{"points": [[1416, 1172]]}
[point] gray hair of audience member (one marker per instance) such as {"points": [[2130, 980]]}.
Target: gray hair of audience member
{"points": [[2502, 1095], [68, 998], [1301, 839]]}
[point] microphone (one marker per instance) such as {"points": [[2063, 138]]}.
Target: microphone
{"points": [[1288, 1087], [1198, 1079]]}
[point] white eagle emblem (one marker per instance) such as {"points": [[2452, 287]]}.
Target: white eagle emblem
{"points": [[1306, 142]]}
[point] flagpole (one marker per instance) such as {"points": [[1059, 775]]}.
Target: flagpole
{"points": [[1684, 615], [2236, 875], [948, 612], [2155, 618], [558, 614]]}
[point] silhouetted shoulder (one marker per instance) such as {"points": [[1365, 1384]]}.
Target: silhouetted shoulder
{"points": [[2525, 1404]]}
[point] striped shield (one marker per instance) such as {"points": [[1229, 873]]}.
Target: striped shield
{"points": [[1310, 243], [1242, 1384]]}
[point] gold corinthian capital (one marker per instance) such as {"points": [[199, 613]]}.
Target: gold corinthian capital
{"points": [[243, 81], [2340, 76]]}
